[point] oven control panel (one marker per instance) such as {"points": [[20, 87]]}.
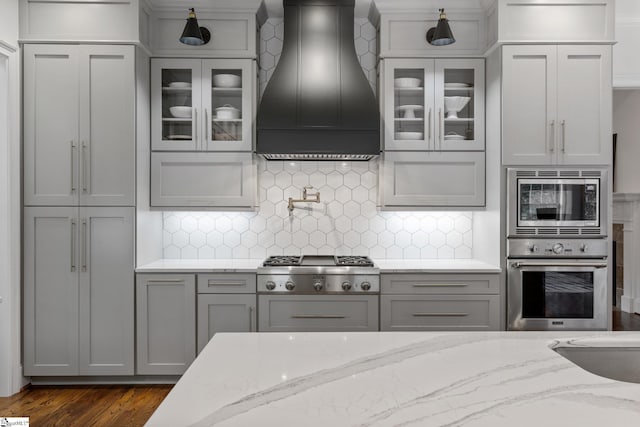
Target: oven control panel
{"points": [[551, 248], [318, 283]]}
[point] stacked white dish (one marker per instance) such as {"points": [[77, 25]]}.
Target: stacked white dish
{"points": [[227, 112], [406, 82], [409, 135], [452, 136], [180, 85], [180, 112], [226, 80]]}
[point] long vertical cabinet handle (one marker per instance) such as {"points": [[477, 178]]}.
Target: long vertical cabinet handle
{"points": [[563, 134], [429, 133], [250, 318], [206, 127], [73, 245], [72, 147], [440, 126], [195, 126], [85, 166], [552, 125], [83, 238]]}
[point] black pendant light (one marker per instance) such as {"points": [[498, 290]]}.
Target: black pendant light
{"points": [[193, 34], [441, 34]]}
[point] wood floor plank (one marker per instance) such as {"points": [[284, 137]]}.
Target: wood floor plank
{"points": [[98, 406]]}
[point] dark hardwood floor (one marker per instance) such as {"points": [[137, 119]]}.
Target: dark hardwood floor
{"points": [[108, 405], [625, 321]]}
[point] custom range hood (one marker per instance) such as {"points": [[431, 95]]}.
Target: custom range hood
{"points": [[318, 103]]}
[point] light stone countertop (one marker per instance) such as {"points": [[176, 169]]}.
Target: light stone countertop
{"points": [[398, 379], [385, 265]]}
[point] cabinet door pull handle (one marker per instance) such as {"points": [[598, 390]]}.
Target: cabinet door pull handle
{"points": [[439, 285], [165, 281], [206, 127], [440, 314], [552, 124], [563, 135], [73, 245], [250, 318], [440, 124], [83, 238], [195, 127], [318, 316], [85, 166], [73, 175], [429, 132]]}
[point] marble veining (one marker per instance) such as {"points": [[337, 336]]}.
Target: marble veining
{"points": [[396, 379]]}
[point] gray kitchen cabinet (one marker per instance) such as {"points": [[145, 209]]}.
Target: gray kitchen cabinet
{"points": [[317, 313], [438, 179], [166, 323], [203, 180], [217, 101], [439, 301], [225, 313], [226, 303], [555, 102], [78, 291], [79, 125]]}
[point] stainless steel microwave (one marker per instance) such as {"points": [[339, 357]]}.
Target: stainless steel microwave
{"points": [[557, 201]]}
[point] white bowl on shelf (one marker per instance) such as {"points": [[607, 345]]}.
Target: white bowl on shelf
{"points": [[406, 82], [180, 112], [180, 85], [409, 135], [227, 112], [453, 104], [226, 80], [452, 136]]}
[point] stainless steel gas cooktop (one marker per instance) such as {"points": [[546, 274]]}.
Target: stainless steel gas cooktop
{"points": [[318, 274]]}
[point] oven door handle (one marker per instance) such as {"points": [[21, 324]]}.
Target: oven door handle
{"points": [[519, 264]]}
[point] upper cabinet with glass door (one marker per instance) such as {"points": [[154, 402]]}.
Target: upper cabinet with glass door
{"points": [[434, 105], [201, 105]]}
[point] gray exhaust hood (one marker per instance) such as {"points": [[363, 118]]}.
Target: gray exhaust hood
{"points": [[318, 103]]}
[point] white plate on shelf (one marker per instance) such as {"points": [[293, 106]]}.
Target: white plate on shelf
{"points": [[457, 85], [179, 137], [453, 137], [180, 85]]}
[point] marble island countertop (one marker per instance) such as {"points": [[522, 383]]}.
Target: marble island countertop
{"points": [[398, 379], [385, 265]]}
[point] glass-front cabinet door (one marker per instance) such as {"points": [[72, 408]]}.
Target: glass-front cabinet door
{"points": [[227, 104], [434, 105], [459, 99], [175, 100]]}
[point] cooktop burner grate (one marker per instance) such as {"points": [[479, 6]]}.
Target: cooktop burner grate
{"points": [[354, 260], [278, 260]]}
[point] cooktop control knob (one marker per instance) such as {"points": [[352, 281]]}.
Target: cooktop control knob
{"points": [[270, 285], [289, 285], [558, 248], [317, 285], [584, 247], [346, 286], [365, 286], [533, 249]]}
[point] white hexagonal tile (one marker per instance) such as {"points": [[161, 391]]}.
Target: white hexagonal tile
{"points": [[362, 46], [327, 194], [189, 252], [231, 238], [223, 224], [300, 180], [267, 31], [343, 224], [206, 224], [171, 223], [206, 252], [280, 30], [267, 60], [437, 239], [377, 252], [373, 46], [394, 252], [292, 167], [352, 239], [360, 224], [394, 224], [326, 167], [267, 209], [411, 224], [240, 223], [274, 46], [351, 179], [166, 238], [454, 239], [335, 179], [343, 194], [377, 224], [403, 238], [224, 252], [317, 239], [309, 224], [300, 239], [351, 209], [274, 250], [445, 224], [419, 239], [368, 180], [180, 239], [267, 180], [275, 195], [411, 252], [274, 224], [368, 61], [369, 239], [197, 239], [368, 31], [283, 239], [214, 238], [334, 239], [368, 209], [428, 224], [263, 46], [334, 209], [258, 223], [240, 252], [428, 252], [356, 29], [343, 167], [445, 252], [317, 179], [308, 167], [386, 238], [467, 238], [266, 239], [282, 180], [462, 223], [171, 252], [257, 252], [189, 224], [462, 252]]}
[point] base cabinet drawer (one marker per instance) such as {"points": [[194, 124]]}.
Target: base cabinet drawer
{"points": [[326, 313], [439, 312], [446, 284], [219, 283]]}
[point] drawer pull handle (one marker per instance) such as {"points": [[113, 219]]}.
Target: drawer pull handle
{"points": [[440, 314], [438, 285], [165, 281], [225, 283], [318, 316], [250, 318]]}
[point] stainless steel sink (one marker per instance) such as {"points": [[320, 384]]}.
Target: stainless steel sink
{"points": [[617, 360]]}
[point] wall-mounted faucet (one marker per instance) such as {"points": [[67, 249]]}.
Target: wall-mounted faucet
{"points": [[305, 198]]}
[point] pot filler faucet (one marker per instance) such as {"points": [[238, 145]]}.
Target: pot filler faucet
{"points": [[305, 198]]}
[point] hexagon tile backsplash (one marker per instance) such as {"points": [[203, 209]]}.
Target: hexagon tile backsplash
{"points": [[345, 222]]}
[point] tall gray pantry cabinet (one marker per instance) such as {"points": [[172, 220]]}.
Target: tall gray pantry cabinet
{"points": [[79, 196]]}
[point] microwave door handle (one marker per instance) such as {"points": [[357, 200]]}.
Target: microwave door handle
{"points": [[519, 264]]}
